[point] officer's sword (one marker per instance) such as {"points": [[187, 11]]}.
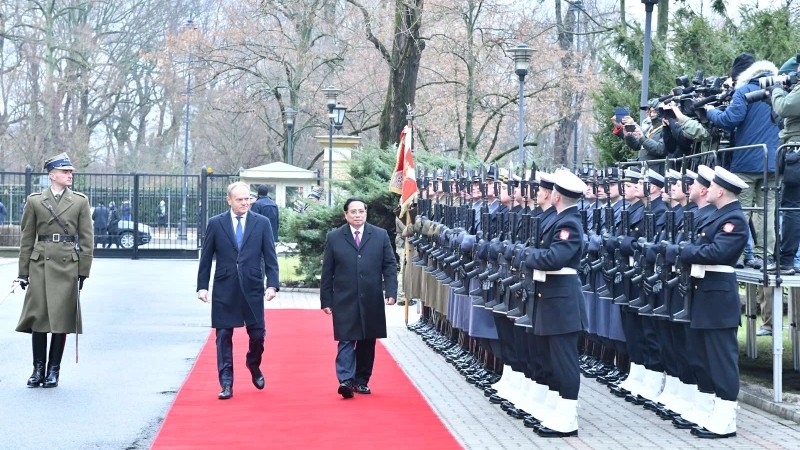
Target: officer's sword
{"points": [[14, 286]]}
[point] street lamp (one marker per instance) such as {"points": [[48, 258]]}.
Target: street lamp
{"points": [[522, 59], [337, 121], [290, 115], [576, 8], [182, 235], [648, 8], [330, 96]]}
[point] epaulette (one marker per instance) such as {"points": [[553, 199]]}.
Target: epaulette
{"points": [[33, 194], [80, 194]]}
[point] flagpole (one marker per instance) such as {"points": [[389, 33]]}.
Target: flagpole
{"points": [[410, 120]]}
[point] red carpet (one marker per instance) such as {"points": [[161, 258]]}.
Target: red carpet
{"points": [[299, 408]]}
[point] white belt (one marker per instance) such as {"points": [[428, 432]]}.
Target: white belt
{"points": [[630, 261], [541, 275], [699, 270]]}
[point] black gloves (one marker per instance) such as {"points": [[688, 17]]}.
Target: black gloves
{"points": [[23, 281], [81, 278]]}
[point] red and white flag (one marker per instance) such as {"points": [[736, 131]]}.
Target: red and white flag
{"points": [[404, 180]]}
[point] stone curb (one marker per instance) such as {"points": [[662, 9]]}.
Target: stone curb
{"points": [[779, 409]]}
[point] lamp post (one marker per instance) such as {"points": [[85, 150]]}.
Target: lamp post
{"points": [[648, 8], [577, 9], [290, 115], [522, 59], [330, 96], [182, 234]]}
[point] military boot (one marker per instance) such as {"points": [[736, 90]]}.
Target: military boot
{"points": [[39, 356], [54, 361]]}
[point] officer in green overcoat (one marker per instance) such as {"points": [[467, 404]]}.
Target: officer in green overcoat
{"points": [[55, 256]]}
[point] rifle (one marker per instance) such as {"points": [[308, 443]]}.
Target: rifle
{"points": [[607, 259], [684, 278], [623, 272], [526, 286], [646, 271]]}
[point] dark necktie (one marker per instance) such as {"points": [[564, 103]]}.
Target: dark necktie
{"points": [[58, 197], [239, 232], [358, 239]]}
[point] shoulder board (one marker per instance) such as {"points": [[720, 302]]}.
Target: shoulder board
{"points": [[34, 194], [80, 194]]}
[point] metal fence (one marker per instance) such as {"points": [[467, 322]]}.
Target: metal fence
{"points": [[161, 215]]}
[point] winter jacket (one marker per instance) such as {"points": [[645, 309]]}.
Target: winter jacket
{"points": [[752, 123]]}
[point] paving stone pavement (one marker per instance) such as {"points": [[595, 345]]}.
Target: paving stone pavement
{"points": [[605, 421]]}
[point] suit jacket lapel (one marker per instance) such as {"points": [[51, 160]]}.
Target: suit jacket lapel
{"points": [[227, 226], [250, 222], [367, 233], [348, 236]]}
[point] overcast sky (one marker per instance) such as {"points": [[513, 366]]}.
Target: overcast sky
{"points": [[636, 8]]}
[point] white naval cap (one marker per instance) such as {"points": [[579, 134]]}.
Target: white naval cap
{"points": [[655, 178], [632, 175], [503, 175], [728, 181], [704, 175], [568, 184], [546, 180], [673, 174], [691, 174]]}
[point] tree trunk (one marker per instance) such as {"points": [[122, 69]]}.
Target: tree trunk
{"points": [[662, 23], [403, 69], [569, 99]]}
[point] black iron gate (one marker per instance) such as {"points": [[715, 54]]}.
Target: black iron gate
{"points": [[160, 215]]}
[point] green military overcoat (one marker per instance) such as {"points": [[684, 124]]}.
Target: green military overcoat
{"points": [[51, 299]]}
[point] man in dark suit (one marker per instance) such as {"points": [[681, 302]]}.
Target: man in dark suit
{"points": [[245, 252], [100, 218], [267, 208], [359, 275]]}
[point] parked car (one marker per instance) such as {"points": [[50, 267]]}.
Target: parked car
{"points": [[125, 234]]}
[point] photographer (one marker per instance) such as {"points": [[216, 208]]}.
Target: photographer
{"points": [[787, 106], [676, 144], [753, 125], [647, 141]]}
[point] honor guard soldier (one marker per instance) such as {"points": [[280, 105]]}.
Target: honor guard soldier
{"points": [[559, 316], [715, 310], [55, 257]]}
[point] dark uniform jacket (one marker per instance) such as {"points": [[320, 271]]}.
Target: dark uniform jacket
{"points": [[239, 285], [267, 208], [720, 240], [559, 299], [355, 281], [51, 300]]}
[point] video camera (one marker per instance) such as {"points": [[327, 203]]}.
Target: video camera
{"points": [[787, 82], [691, 95]]}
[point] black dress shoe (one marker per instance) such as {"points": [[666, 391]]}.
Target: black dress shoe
{"points": [[346, 389], [682, 424], [705, 434], [226, 393], [619, 392], [548, 433], [496, 399], [258, 378], [531, 422], [363, 389]]}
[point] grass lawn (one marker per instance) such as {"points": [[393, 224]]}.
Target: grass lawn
{"points": [[288, 268], [759, 370]]}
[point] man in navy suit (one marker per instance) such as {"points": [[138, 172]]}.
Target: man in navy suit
{"points": [[245, 251], [359, 275]]}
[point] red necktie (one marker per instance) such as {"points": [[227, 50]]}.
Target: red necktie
{"points": [[358, 239]]}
